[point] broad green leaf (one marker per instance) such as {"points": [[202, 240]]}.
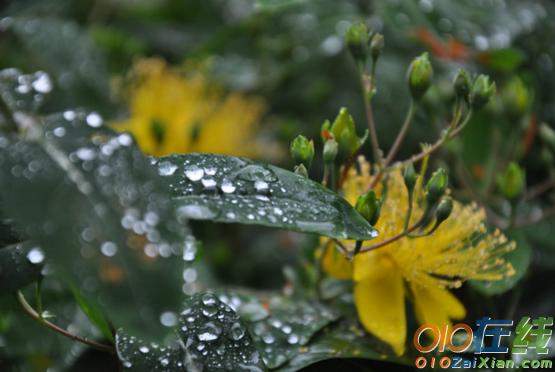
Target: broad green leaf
{"points": [[230, 189], [20, 265], [7, 234], [95, 204], [280, 326], [211, 338], [520, 259], [24, 92], [94, 313], [64, 49], [345, 340]]}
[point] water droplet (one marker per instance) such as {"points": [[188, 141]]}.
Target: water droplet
{"points": [[94, 120], [144, 349], [42, 82], [209, 299], [209, 332], [35, 256], [168, 319], [237, 331], [164, 361], [227, 186], [166, 168], [59, 132], [197, 212], [293, 339], [108, 249], [69, 115], [125, 139], [85, 153], [209, 183], [194, 173], [268, 338], [260, 185]]}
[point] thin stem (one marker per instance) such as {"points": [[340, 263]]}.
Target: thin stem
{"points": [[409, 210], [401, 135], [392, 239], [33, 314], [367, 84], [38, 295], [428, 151]]}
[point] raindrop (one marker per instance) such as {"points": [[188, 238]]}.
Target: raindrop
{"points": [[85, 153], [69, 115], [144, 349], [35, 256], [166, 168], [42, 83], [209, 183], [194, 173], [227, 186], [168, 319], [59, 132], [209, 299], [293, 339], [125, 139], [209, 332], [237, 331], [164, 361], [94, 120], [260, 185], [108, 249]]}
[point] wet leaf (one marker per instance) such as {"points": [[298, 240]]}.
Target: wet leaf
{"points": [[230, 189], [24, 92], [20, 265], [282, 326], [97, 207], [94, 313], [211, 338], [342, 341]]}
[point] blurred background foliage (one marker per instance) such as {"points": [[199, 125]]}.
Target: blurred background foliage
{"points": [[290, 55]]}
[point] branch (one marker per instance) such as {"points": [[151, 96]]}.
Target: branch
{"points": [[33, 314]]}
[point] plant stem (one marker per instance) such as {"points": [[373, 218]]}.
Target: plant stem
{"points": [[392, 239], [367, 84], [401, 135], [33, 314]]}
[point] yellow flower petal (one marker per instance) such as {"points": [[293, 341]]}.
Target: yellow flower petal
{"points": [[336, 263], [380, 302], [436, 305]]}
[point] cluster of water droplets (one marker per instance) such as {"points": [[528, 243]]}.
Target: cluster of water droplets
{"points": [[282, 330], [135, 354], [229, 189], [24, 92], [215, 337]]}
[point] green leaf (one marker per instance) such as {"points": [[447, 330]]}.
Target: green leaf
{"points": [[520, 258], [290, 326], [211, 338], [91, 199], [346, 340], [94, 313], [20, 265], [230, 189], [505, 60]]}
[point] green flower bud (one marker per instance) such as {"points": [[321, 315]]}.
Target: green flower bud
{"points": [[512, 181], [357, 38], [301, 170], [344, 132], [444, 209], [462, 84], [436, 186], [410, 177], [376, 46], [368, 205], [547, 135], [516, 98], [330, 151], [325, 131], [302, 151], [420, 75], [482, 91]]}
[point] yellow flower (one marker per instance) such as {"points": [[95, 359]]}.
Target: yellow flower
{"points": [[422, 269], [174, 111]]}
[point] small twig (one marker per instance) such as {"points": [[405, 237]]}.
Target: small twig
{"points": [[33, 314], [367, 83], [539, 189], [392, 239], [401, 135]]}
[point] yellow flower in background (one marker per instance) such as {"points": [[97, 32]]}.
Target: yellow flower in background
{"points": [[421, 269], [173, 111]]}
